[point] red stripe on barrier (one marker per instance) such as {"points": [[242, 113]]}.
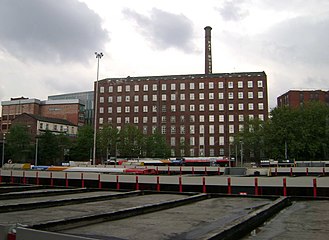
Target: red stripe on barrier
{"points": [[158, 183], [99, 181], [307, 171], [180, 184], [204, 189], [192, 170], [229, 188], [66, 181], [284, 187], [82, 181], [118, 183], [256, 187], [137, 184], [205, 170], [314, 188], [291, 172], [51, 179], [219, 171]]}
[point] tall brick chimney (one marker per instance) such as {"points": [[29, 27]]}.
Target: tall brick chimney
{"points": [[208, 57]]}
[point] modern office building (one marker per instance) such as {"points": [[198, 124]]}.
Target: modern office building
{"points": [[297, 98], [86, 98], [199, 113]]}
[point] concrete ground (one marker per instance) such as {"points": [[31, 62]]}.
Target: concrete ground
{"points": [[192, 221], [303, 220]]}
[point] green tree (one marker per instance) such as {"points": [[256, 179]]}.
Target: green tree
{"points": [[108, 140], [156, 146], [83, 144], [130, 141], [18, 144], [48, 150]]}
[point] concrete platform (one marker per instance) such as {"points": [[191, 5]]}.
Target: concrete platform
{"points": [[303, 220]]}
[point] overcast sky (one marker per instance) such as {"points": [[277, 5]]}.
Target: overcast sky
{"points": [[47, 47]]}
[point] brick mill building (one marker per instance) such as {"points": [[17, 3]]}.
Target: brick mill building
{"points": [[71, 110], [297, 98], [202, 112]]}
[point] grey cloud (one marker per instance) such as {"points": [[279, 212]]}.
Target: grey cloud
{"points": [[164, 30], [233, 11], [299, 40], [50, 31]]}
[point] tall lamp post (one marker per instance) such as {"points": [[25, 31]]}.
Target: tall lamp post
{"points": [[3, 150], [98, 56]]}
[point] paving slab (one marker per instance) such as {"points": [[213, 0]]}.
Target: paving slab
{"points": [[35, 216], [192, 221], [303, 220]]}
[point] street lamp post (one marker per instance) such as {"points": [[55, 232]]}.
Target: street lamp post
{"points": [[3, 150], [98, 56], [36, 151], [241, 152]]}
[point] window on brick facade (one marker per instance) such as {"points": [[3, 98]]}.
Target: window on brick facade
{"points": [[110, 89], [240, 106], [250, 95], [250, 84], [201, 107], [182, 108], [231, 118], [101, 99], [110, 99], [127, 98], [201, 85], [136, 109], [221, 118], [119, 99], [182, 86], [145, 98], [173, 97], [240, 95], [173, 86], [145, 109], [201, 118], [119, 88], [230, 85], [250, 106], [261, 106], [192, 86], [220, 85], [154, 98], [260, 95], [211, 85], [211, 107], [211, 129], [119, 110], [211, 96], [163, 87], [192, 129], [240, 84], [145, 87], [154, 87], [101, 89], [182, 96], [221, 128], [192, 108], [127, 109], [136, 88], [136, 98], [211, 118], [260, 83], [192, 96], [231, 107], [220, 96], [127, 88], [230, 95], [101, 110], [163, 97], [201, 96]]}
